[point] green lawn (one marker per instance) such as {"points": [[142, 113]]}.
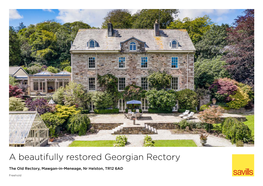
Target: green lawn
{"points": [[101, 143], [250, 123], [174, 143]]}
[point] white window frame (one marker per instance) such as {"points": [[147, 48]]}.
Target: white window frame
{"points": [[177, 83], [136, 46], [119, 83], [146, 63], [124, 63], [94, 84], [177, 62], [94, 63], [147, 83]]}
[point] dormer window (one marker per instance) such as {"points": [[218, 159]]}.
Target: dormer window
{"points": [[91, 44], [173, 44], [133, 46]]}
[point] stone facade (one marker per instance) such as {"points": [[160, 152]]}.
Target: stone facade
{"points": [[107, 46], [108, 63]]}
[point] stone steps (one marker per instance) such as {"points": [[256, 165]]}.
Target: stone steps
{"points": [[126, 129]]}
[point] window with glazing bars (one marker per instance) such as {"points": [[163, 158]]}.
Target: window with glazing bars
{"points": [[91, 44], [174, 62], [35, 85], [132, 46], [121, 62], [91, 83], [91, 62], [121, 83], [174, 83], [144, 83], [144, 62]]}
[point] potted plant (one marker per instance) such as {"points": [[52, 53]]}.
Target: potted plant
{"points": [[203, 138], [214, 101]]}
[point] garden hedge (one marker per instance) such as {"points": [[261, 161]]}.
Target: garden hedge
{"points": [[106, 111]]}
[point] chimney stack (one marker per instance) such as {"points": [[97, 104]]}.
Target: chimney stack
{"points": [[156, 28], [110, 30]]}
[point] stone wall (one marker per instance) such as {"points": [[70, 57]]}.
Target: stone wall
{"points": [[108, 63], [105, 126], [162, 125], [134, 130]]}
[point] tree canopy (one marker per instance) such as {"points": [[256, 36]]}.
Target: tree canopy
{"points": [[120, 18], [240, 56], [212, 42], [196, 28]]}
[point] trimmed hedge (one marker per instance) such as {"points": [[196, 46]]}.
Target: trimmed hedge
{"points": [[151, 110], [106, 111], [182, 110]]}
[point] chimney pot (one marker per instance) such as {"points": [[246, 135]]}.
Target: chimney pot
{"points": [[156, 28], [110, 29]]}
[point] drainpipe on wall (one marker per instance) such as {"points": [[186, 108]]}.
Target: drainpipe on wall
{"points": [[187, 69]]}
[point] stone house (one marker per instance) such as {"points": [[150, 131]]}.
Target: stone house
{"points": [[131, 55]]}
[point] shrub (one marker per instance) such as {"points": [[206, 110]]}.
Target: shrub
{"points": [[34, 69], [187, 99], [78, 123], [239, 99], [236, 130], [106, 111], [67, 68], [161, 100], [12, 81], [120, 141], [183, 124], [39, 104], [102, 100], [58, 96], [108, 83], [52, 69], [16, 104], [159, 80], [75, 94], [240, 143], [222, 88], [53, 122], [203, 107], [148, 142], [183, 110], [153, 110], [64, 112], [14, 91]]}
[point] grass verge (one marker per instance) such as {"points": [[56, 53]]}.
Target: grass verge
{"points": [[250, 123], [174, 143], [100, 143]]}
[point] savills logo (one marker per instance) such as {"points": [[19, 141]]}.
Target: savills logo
{"points": [[245, 172], [242, 164]]}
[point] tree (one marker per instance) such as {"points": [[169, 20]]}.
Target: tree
{"points": [[145, 18], [120, 18], [20, 26], [207, 70], [212, 42], [14, 48], [196, 28], [12, 81], [240, 56], [75, 95]]}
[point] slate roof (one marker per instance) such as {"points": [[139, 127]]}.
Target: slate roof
{"points": [[153, 43], [12, 70]]}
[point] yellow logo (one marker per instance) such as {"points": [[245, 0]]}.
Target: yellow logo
{"points": [[242, 164]]}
